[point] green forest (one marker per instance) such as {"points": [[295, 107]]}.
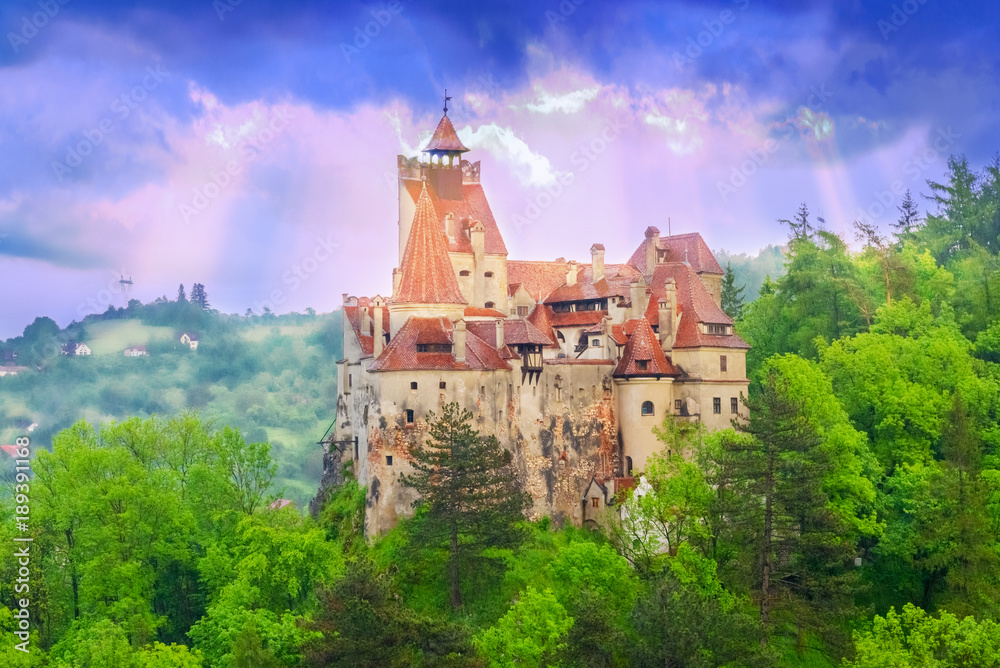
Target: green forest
{"points": [[852, 521], [272, 377]]}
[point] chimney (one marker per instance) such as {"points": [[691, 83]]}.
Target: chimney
{"points": [[597, 260], [449, 225], [366, 324], [397, 275], [379, 338], [652, 248], [499, 333], [477, 234], [571, 273], [458, 341], [638, 296], [344, 294], [667, 313]]}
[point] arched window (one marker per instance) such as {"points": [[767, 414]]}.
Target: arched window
{"points": [[465, 272], [490, 304], [559, 335], [488, 274], [647, 408], [628, 466]]}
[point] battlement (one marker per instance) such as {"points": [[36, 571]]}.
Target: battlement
{"points": [[414, 168]]}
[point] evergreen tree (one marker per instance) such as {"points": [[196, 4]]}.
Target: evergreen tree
{"points": [[799, 226], [909, 218], [732, 296], [199, 297], [181, 297], [771, 481], [469, 493]]}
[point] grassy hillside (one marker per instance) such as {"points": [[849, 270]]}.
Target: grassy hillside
{"points": [[274, 378]]}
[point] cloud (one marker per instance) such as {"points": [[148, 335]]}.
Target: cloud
{"points": [[566, 103], [531, 168]]}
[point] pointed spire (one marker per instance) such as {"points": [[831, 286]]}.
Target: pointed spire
{"points": [[643, 356], [427, 275], [445, 138]]}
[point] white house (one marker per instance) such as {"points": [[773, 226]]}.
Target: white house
{"points": [[76, 349], [190, 339], [136, 351]]}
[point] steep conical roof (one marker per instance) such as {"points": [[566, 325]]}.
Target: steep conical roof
{"points": [[445, 138], [427, 273], [643, 356]]}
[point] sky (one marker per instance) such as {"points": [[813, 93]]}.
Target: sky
{"points": [[251, 145]]}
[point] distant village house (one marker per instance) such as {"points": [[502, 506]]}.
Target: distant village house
{"points": [[190, 339], [75, 349], [136, 351]]}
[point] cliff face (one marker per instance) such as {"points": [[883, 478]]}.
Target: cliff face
{"points": [[561, 431]]}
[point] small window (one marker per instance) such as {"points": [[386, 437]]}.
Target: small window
{"points": [[482, 390], [488, 274], [465, 272], [559, 335], [522, 311], [647, 408], [717, 405], [594, 343], [595, 502], [409, 416], [722, 363], [350, 380], [717, 329], [388, 460], [628, 466], [413, 385], [734, 405], [490, 304], [641, 365], [442, 385], [677, 404]]}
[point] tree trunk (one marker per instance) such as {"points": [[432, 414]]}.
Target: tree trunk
{"points": [[765, 586], [456, 594]]}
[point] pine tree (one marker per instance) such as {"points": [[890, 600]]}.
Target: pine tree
{"points": [[732, 296], [771, 478], [469, 491], [909, 217], [800, 226], [199, 296], [181, 297]]}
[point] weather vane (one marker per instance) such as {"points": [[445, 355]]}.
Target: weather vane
{"points": [[446, 98]]}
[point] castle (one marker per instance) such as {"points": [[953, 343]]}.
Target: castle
{"points": [[569, 364]]}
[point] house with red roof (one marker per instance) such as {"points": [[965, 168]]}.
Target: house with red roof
{"points": [[570, 364]]}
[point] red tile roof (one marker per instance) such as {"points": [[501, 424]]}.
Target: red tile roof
{"points": [[618, 334], [445, 138], [696, 306], [576, 318], [541, 318], [616, 283], [472, 206], [644, 346], [428, 276], [538, 278], [580, 362], [480, 312], [401, 353], [522, 332], [690, 248], [353, 315]]}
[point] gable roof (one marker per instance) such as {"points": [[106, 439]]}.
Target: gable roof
{"points": [[539, 279], [401, 353], [445, 138], [696, 306], [427, 275], [690, 248], [644, 346]]}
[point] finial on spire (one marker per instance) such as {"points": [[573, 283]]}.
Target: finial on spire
{"points": [[446, 98]]}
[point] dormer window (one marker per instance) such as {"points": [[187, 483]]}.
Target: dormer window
{"points": [[720, 330], [642, 365]]}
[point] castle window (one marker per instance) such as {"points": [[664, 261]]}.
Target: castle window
{"points": [[595, 501], [722, 363], [465, 272], [641, 365], [442, 385], [595, 342], [717, 329], [647, 408], [350, 380], [355, 448], [433, 347], [559, 335], [413, 385], [388, 460], [482, 390], [628, 466], [522, 311], [490, 304], [409, 416], [734, 405], [488, 274], [717, 405]]}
